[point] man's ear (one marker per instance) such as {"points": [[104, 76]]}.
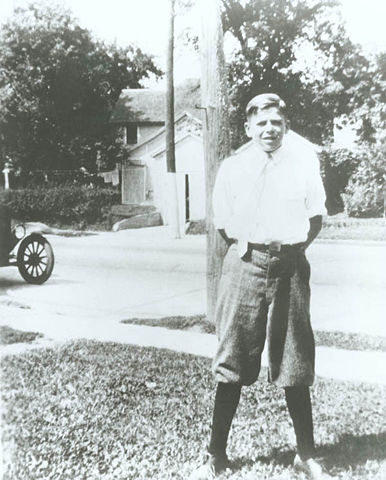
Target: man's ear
{"points": [[287, 125], [247, 131]]}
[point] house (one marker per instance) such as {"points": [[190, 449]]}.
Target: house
{"points": [[140, 114]]}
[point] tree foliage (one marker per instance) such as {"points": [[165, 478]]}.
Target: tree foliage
{"points": [[58, 86], [365, 194], [300, 50], [369, 102], [337, 166]]}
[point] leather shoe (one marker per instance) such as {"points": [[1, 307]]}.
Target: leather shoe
{"points": [[212, 467], [312, 469]]}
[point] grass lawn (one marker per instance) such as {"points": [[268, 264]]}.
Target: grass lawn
{"points": [[335, 227], [92, 410], [199, 323], [9, 335], [341, 227]]}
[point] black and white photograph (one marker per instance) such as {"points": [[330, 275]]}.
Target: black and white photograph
{"points": [[193, 239]]}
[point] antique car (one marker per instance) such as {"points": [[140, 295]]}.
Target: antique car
{"points": [[25, 248]]}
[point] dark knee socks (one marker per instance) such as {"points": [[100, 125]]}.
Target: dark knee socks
{"points": [[299, 407], [225, 405]]}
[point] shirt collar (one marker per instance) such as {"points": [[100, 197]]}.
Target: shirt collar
{"points": [[274, 157]]}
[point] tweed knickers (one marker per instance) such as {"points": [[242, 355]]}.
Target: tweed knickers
{"points": [[262, 297]]}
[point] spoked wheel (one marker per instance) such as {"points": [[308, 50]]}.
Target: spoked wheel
{"points": [[35, 259]]}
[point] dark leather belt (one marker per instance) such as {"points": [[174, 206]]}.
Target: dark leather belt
{"points": [[274, 247]]}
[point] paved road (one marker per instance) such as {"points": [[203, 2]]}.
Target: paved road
{"points": [[118, 275], [112, 276]]}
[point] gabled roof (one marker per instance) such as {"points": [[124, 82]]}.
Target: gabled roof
{"points": [[180, 139], [184, 115], [147, 106]]}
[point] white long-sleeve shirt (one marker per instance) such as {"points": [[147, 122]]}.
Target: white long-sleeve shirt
{"points": [[261, 198]]}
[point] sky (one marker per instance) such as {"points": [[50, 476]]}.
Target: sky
{"points": [[145, 24]]}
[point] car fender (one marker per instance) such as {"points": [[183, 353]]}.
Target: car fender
{"points": [[32, 235]]}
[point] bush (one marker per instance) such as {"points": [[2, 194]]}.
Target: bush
{"points": [[64, 205], [337, 166], [54, 178], [365, 192]]}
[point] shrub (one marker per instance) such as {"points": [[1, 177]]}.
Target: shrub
{"points": [[54, 178], [63, 205], [337, 166], [365, 192]]}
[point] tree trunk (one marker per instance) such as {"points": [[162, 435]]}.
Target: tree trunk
{"points": [[214, 99], [169, 125]]}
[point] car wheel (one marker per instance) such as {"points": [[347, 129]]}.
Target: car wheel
{"points": [[35, 259]]}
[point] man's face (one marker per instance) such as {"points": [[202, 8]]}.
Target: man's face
{"points": [[267, 128]]}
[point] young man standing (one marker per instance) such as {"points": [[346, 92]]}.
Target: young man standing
{"points": [[268, 204]]}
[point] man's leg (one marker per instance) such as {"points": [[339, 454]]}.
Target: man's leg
{"points": [[226, 402], [225, 405], [299, 406], [300, 409], [241, 318]]}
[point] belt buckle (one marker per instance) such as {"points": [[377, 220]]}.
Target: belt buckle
{"points": [[274, 247]]}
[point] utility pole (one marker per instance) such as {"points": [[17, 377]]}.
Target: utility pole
{"points": [[214, 101], [169, 125]]}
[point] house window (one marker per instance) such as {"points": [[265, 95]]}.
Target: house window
{"points": [[131, 134]]}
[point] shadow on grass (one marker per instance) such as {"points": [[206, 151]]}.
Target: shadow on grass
{"points": [[349, 451], [354, 450], [9, 336], [283, 458]]}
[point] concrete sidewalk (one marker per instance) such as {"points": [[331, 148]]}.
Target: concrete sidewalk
{"points": [[330, 362]]}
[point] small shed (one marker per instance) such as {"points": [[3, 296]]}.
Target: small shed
{"points": [[190, 172]]}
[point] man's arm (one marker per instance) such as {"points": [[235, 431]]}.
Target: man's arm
{"points": [[223, 234], [315, 198], [315, 227]]}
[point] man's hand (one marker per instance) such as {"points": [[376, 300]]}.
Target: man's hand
{"points": [[228, 240]]}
